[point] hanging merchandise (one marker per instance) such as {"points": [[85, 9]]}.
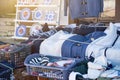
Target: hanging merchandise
{"points": [[36, 29], [25, 14], [21, 30], [37, 14], [85, 8], [50, 15]]}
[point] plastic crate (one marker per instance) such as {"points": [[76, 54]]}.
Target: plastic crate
{"points": [[5, 74], [17, 56], [1, 43], [5, 71], [59, 73], [27, 47]]}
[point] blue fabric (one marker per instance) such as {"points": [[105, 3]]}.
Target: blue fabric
{"points": [[84, 30], [85, 8], [77, 50], [5, 71], [5, 63], [101, 5], [95, 35], [67, 45]]}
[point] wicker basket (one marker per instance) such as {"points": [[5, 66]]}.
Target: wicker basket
{"points": [[60, 73], [5, 72], [17, 56]]}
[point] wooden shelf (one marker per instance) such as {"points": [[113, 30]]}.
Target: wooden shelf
{"points": [[14, 37], [21, 38], [37, 5], [7, 19], [49, 13], [34, 21]]}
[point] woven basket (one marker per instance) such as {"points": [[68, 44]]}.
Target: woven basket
{"points": [[15, 57]]}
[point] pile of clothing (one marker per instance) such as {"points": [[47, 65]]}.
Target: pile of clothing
{"points": [[103, 47], [49, 61], [75, 46], [105, 53], [36, 40], [64, 44]]}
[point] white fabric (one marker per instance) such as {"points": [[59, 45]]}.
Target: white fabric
{"points": [[61, 63], [93, 73], [72, 75], [113, 53], [110, 74], [97, 48], [52, 45], [85, 75], [117, 67], [71, 26], [97, 67], [118, 26], [35, 29], [103, 42]]}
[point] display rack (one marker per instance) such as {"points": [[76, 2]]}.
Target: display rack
{"points": [[31, 12]]}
